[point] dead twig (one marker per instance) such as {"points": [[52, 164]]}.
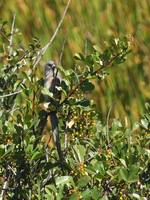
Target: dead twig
{"points": [[11, 37], [60, 57], [54, 35], [107, 133]]}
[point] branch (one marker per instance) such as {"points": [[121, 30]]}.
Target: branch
{"points": [[85, 49], [108, 135], [12, 28], [4, 36], [4, 185], [63, 45], [46, 47], [107, 123], [82, 81], [8, 95]]}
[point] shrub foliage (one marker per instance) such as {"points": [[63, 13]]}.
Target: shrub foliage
{"points": [[101, 160]]}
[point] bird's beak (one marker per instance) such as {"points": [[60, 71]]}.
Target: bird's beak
{"points": [[53, 66]]}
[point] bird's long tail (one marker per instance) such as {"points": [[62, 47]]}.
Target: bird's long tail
{"points": [[55, 129]]}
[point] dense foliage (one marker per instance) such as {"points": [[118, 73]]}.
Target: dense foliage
{"points": [[129, 85], [101, 161]]}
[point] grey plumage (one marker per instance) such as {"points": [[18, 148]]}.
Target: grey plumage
{"points": [[53, 78]]}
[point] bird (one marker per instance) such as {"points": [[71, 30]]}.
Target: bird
{"points": [[54, 78]]}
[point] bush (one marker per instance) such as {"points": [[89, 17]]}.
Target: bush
{"points": [[100, 161]]}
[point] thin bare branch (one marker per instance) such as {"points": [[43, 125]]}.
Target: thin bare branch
{"points": [[107, 129], [63, 45], [85, 49], [8, 95], [54, 35], [107, 133], [12, 29], [4, 36]]}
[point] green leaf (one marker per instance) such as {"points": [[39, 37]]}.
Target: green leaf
{"points": [[50, 188], [144, 123], [36, 156], [87, 86], [95, 192], [9, 149], [79, 152], [132, 174], [4, 129], [123, 162], [46, 91], [85, 192], [63, 180], [96, 48], [94, 129], [135, 126], [147, 106], [62, 71], [34, 121], [106, 56], [72, 101], [99, 177], [90, 170], [83, 181], [123, 174], [27, 118], [113, 43], [132, 159], [2, 150], [84, 103], [89, 61], [4, 23], [16, 139], [26, 75], [74, 196], [79, 56]]}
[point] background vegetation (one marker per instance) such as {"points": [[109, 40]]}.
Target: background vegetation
{"points": [[128, 85]]}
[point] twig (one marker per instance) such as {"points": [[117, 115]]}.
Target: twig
{"points": [[4, 185], [8, 95], [46, 47], [85, 50], [82, 81], [30, 50], [4, 36], [63, 45], [11, 37], [107, 123], [107, 130]]}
